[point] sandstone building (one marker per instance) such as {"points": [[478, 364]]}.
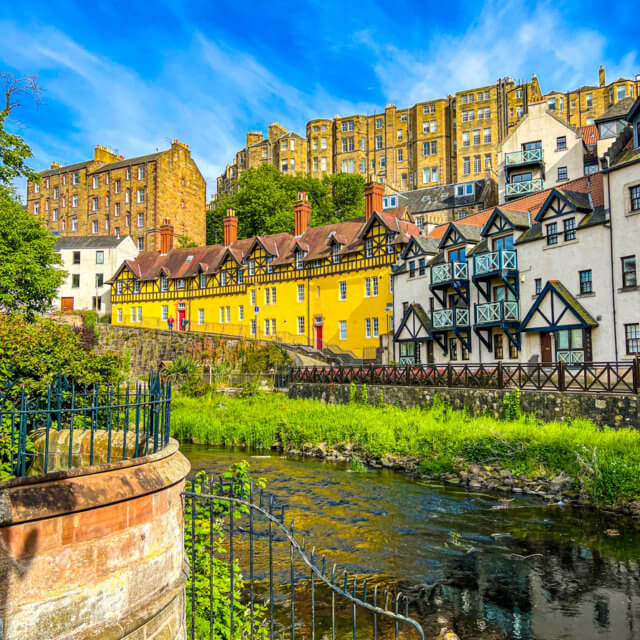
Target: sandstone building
{"points": [[112, 195], [436, 142]]}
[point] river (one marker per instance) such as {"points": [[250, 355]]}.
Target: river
{"points": [[509, 569]]}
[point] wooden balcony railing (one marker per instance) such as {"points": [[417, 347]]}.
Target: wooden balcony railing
{"points": [[525, 187], [445, 319], [449, 271], [492, 261], [495, 312], [523, 157]]}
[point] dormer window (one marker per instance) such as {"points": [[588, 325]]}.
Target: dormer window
{"points": [[252, 267], [269, 264], [180, 283], [223, 278], [368, 248], [188, 259], [203, 281], [136, 286], [299, 255], [119, 287], [239, 275], [335, 252], [390, 239], [164, 283]]}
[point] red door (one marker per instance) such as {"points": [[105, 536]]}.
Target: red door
{"points": [[318, 329], [545, 348], [182, 314]]}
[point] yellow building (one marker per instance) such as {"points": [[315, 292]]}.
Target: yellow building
{"points": [[328, 287], [582, 106], [112, 195]]}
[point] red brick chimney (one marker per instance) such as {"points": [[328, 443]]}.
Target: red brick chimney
{"points": [[166, 236], [230, 222], [302, 211], [373, 192]]}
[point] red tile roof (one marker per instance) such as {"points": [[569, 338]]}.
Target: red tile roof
{"points": [[590, 134]]}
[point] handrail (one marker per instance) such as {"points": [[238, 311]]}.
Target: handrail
{"points": [[522, 157], [448, 271], [526, 186], [498, 260], [450, 318], [500, 311]]}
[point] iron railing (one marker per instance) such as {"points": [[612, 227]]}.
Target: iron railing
{"points": [[445, 319], [123, 421], [278, 587], [523, 157], [501, 311], [524, 187], [591, 377], [492, 261], [449, 271]]}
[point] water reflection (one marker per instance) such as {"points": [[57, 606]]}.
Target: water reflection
{"points": [[498, 569]]}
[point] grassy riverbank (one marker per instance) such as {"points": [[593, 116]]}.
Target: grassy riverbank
{"points": [[604, 465]]}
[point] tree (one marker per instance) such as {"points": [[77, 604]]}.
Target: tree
{"points": [[28, 278], [184, 242], [14, 151], [265, 198]]}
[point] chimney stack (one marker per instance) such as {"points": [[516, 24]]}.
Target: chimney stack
{"points": [[230, 222], [601, 76], [166, 236], [302, 212], [373, 192]]}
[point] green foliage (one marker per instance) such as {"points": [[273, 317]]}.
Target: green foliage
{"points": [[210, 573], [356, 465], [265, 197], [364, 398], [34, 353], [604, 463], [184, 242], [381, 402], [353, 389], [262, 358], [186, 375], [28, 279], [511, 405]]}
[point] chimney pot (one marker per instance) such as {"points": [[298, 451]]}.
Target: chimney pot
{"points": [[302, 214], [230, 224], [166, 236], [373, 192]]}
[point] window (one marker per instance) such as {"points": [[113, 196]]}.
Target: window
{"points": [[635, 197], [434, 174], [375, 327], [116, 232], [76, 257], [552, 233], [267, 296], [127, 221], [477, 164], [74, 200], [343, 290], [629, 272], [254, 326], [589, 100], [632, 338], [139, 310], [399, 155], [119, 287], [378, 142], [465, 138], [513, 351], [299, 256], [374, 286], [239, 275], [621, 92], [94, 182], [300, 325], [116, 186], [127, 174], [140, 220], [367, 287], [586, 282], [538, 285], [367, 327], [323, 164], [269, 264], [563, 173], [343, 329], [94, 226], [368, 248], [221, 312], [498, 350], [76, 178], [412, 269], [180, 282], [141, 244], [335, 253], [561, 143], [453, 349], [136, 286], [569, 229], [141, 173], [487, 161], [466, 165], [140, 196], [300, 293], [389, 241], [165, 312], [202, 281], [253, 297], [54, 215], [323, 143], [590, 121], [56, 192], [241, 312], [74, 224], [223, 278], [252, 267], [164, 283], [476, 136], [99, 257]]}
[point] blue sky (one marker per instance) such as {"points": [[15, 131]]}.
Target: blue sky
{"points": [[133, 75]]}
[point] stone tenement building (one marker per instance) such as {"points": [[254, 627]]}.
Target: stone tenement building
{"points": [[437, 142], [111, 195]]}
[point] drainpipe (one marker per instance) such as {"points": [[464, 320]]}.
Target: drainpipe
{"points": [[613, 290]]}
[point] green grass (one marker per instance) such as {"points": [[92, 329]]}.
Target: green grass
{"points": [[604, 463]]}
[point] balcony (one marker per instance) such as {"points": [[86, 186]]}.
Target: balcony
{"points": [[449, 272], [522, 158], [494, 262], [524, 188], [450, 319], [497, 313]]}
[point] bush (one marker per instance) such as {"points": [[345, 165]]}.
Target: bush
{"points": [[263, 358], [186, 375]]}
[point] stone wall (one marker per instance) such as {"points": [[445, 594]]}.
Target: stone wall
{"points": [[604, 409], [95, 553]]}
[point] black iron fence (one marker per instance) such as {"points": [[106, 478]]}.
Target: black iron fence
{"points": [[601, 377], [71, 424], [251, 578]]}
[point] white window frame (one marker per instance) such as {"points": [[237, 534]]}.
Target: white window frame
{"points": [[300, 293]]}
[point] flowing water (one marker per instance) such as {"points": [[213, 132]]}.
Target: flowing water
{"points": [[496, 568]]}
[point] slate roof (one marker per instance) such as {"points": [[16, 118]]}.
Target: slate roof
{"points": [[617, 111], [442, 197], [78, 243], [127, 162], [67, 168]]}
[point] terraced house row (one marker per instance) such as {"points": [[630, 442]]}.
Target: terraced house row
{"points": [[328, 287], [435, 142], [552, 276]]}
